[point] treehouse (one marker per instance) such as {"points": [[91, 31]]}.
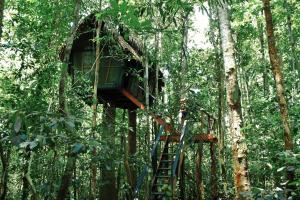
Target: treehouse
{"points": [[120, 74]]}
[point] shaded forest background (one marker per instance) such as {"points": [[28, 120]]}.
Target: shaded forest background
{"points": [[45, 128]]}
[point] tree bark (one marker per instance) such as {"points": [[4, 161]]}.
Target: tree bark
{"points": [[94, 107], [184, 55], [2, 3], [65, 58], [132, 146], [293, 57], [67, 177], [221, 97], [263, 60], [239, 147], [213, 177], [108, 190], [27, 181], [198, 174], [71, 160], [5, 167], [275, 61]]}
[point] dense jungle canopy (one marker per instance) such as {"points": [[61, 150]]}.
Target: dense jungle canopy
{"points": [[149, 99]]}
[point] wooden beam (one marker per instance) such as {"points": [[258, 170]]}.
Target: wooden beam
{"points": [[133, 99], [168, 127], [127, 46], [196, 138]]}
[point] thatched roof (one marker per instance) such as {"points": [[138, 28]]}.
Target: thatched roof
{"points": [[131, 44]]}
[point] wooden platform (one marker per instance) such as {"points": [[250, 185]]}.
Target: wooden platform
{"points": [[196, 138]]}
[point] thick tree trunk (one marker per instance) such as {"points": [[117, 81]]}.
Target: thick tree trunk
{"points": [[276, 69], [2, 2], [239, 147], [108, 190]]}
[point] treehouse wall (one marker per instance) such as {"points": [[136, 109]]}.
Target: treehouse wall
{"points": [[117, 70]]}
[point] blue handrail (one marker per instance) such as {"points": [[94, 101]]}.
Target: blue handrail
{"points": [[141, 177], [184, 130]]}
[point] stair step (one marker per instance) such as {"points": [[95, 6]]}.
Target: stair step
{"points": [[164, 168], [162, 176], [158, 193], [169, 154]]}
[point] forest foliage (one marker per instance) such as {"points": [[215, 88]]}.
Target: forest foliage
{"points": [[37, 141]]}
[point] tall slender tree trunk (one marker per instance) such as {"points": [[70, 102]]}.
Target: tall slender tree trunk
{"points": [[276, 69], [239, 147], [5, 167], [293, 58], [2, 2], [221, 96], [263, 58], [94, 107], [67, 177], [132, 146], [183, 92], [184, 55], [108, 190], [71, 159], [198, 173], [213, 178]]}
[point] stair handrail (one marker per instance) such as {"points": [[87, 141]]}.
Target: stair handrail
{"points": [[141, 177], [184, 131]]}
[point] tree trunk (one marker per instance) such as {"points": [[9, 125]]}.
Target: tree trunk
{"points": [[71, 160], [263, 61], [94, 107], [2, 2], [276, 69], [158, 38], [65, 57], [198, 174], [108, 190], [293, 57], [184, 56], [27, 181], [213, 178], [239, 147], [132, 146], [221, 96], [5, 167], [67, 177]]}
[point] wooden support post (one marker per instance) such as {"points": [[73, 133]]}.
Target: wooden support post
{"points": [[213, 177], [182, 179], [132, 146], [198, 172]]}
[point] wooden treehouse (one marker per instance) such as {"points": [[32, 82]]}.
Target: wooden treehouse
{"points": [[120, 75], [120, 84]]}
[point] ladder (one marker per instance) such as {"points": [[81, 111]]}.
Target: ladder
{"points": [[164, 181]]}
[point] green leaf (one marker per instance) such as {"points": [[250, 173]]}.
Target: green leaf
{"points": [[280, 169]]}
